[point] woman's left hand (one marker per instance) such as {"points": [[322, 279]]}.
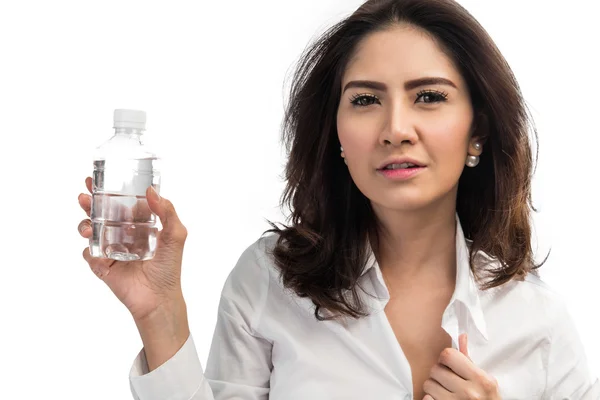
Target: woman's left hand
{"points": [[455, 377]]}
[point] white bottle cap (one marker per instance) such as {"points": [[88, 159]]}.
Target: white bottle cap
{"points": [[129, 119]]}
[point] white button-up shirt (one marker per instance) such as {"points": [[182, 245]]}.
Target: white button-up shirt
{"points": [[268, 345]]}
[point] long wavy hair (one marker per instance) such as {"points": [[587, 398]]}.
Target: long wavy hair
{"points": [[322, 253]]}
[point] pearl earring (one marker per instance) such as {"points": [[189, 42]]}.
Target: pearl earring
{"points": [[472, 161], [345, 161]]}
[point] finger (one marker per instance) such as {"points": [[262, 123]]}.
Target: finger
{"points": [[88, 184], [173, 229], [463, 345], [99, 266], [447, 378], [141, 211], [85, 201], [435, 390], [428, 397], [458, 363], [85, 228]]}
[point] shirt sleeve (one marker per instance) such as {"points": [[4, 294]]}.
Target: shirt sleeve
{"points": [[568, 372], [179, 378], [239, 363]]}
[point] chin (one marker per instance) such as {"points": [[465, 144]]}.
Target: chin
{"points": [[405, 206], [413, 196], [403, 202]]}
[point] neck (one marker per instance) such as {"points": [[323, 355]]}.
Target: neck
{"points": [[418, 246]]}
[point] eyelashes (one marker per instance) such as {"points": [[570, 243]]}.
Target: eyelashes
{"points": [[436, 95], [365, 100]]}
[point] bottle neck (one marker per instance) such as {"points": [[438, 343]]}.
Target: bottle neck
{"points": [[129, 131]]}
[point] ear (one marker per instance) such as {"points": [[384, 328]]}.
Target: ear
{"points": [[479, 133]]}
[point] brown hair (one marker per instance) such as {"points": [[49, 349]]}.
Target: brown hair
{"points": [[323, 253]]}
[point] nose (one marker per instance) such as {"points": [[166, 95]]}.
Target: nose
{"points": [[399, 128]]}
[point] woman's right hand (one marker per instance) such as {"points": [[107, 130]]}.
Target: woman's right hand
{"points": [[143, 286]]}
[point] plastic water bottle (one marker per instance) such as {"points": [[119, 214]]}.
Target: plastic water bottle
{"points": [[123, 226]]}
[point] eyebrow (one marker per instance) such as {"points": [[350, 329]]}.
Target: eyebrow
{"points": [[408, 85]]}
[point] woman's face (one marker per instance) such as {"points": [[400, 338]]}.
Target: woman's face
{"points": [[397, 117]]}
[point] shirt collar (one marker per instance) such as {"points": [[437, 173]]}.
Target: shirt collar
{"points": [[466, 291]]}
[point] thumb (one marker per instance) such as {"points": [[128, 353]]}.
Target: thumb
{"points": [[164, 209], [463, 345]]}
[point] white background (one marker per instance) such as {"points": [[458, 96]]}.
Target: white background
{"points": [[210, 75]]}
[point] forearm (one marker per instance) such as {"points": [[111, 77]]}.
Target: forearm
{"points": [[164, 332]]}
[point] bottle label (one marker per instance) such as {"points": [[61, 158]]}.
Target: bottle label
{"points": [[125, 177]]}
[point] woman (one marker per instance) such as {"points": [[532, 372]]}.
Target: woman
{"points": [[415, 239]]}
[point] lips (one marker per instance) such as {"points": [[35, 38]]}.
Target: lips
{"points": [[400, 160], [400, 166], [400, 174]]}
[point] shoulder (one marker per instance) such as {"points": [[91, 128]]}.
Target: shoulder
{"points": [[535, 290], [249, 282], [247, 286], [553, 303], [253, 266], [530, 299], [531, 289], [533, 294], [543, 296]]}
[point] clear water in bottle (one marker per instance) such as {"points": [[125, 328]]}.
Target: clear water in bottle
{"points": [[123, 227]]}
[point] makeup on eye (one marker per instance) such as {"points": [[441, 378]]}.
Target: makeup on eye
{"points": [[357, 100], [437, 95]]}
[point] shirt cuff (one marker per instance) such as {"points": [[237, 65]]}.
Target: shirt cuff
{"points": [[179, 378]]}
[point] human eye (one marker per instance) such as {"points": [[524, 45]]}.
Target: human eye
{"points": [[433, 96], [363, 100]]}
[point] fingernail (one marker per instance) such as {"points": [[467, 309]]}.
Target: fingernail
{"points": [[155, 193], [101, 271]]}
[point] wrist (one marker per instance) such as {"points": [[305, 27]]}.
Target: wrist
{"points": [[163, 307], [163, 332]]}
